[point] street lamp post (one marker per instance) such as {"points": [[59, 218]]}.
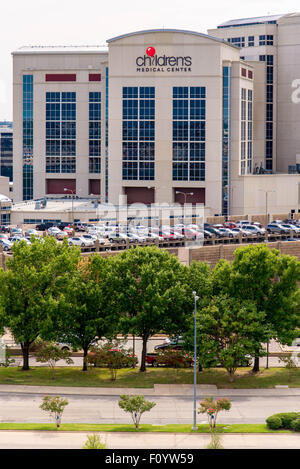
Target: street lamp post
{"points": [[185, 194], [73, 192], [266, 192], [196, 298]]}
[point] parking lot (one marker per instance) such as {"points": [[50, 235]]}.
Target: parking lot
{"points": [[100, 237]]}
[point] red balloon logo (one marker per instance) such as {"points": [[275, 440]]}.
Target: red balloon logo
{"points": [[150, 51]]}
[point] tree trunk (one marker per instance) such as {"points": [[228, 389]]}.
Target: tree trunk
{"points": [[85, 352], [144, 350], [255, 368], [25, 352], [200, 367]]}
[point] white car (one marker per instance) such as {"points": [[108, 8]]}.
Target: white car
{"points": [[80, 241], [29, 233], [254, 229], [294, 228], [6, 245]]}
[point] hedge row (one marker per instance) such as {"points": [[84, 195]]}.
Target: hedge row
{"points": [[287, 421]]}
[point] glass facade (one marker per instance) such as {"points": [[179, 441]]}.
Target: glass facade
{"points": [[269, 59], [189, 133], [6, 154], [60, 132], [246, 131], [106, 133], [237, 41], [226, 141], [138, 133], [95, 132], [27, 137]]}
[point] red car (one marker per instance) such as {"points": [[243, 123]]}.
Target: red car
{"points": [[92, 359], [229, 224]]}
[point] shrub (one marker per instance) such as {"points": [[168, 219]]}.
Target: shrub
{"points": [[282, 420], [215, 442], [94, 442], [274, 422], [55, 405], [136, 406], [287, 418], [295, 425]]}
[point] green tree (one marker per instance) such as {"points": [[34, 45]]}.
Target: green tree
{"points": [[268, 279], [199, 279], [55, 405], [85, 312], [48, 352], [227, 330], [212, 407], [31, 286], [149, 286], [113, 355], [136, 406]]}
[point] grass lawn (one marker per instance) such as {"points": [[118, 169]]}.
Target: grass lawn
{"points": [[86, 427], [132, 378]]}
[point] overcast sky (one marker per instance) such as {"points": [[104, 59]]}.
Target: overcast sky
{"points": [[78, 22]]}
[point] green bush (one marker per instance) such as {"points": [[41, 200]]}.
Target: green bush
{"points": [[94, 442], [282, 420], [287, 418], [295, 425], [274, 422]]}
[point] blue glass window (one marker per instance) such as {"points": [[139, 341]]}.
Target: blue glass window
{"points": [[189, 114], [60, 132], [138, 133]]}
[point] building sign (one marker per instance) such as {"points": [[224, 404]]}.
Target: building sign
{"points": [[151, 62]]}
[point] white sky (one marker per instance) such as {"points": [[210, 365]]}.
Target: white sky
{"points": [[91, 22]]}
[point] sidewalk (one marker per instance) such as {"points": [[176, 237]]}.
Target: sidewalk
{"points": [[157, 390], [75, 440]]}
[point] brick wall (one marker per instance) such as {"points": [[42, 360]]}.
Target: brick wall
{"points": [[212, 254]]}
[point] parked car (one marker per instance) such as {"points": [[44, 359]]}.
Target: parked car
{"points": [[17, 239], [16, 231], [294, 228], [118, 238], [52, 230], [44, 226], [32, 232], [92, 359], [254, 229], [80, 226], [64, 346], [277, 228], [214, 231], [229, 224], [152, 359], [64, 225], [69, 230], [79, 241], [4, 229], [5, 244]]}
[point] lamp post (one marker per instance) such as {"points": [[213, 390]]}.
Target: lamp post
{"points": [[184, 194], [73, 192], [266, 192], [196, 298]]}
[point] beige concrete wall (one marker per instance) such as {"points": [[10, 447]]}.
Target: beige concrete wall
{"points": [[4, 186], [39, 64], [122, 72], [288, 73]]}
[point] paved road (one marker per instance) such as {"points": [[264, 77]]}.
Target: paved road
{"points": [[68, 440], [24, 407]]}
